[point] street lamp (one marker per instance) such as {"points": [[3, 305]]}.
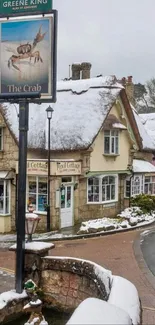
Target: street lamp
{"points": [[49, 111], [31, 222]]}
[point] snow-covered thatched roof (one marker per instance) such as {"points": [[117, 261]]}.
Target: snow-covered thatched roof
{"points": [[148, 121], [148, 141], [79, 113]]}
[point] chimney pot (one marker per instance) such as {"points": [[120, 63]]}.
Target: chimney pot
{"points": [[86, 67], [76, 68]]}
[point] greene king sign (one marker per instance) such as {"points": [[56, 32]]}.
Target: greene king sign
{"points": [[11, 7]]}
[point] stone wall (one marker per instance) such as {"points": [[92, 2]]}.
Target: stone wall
{"points": [[67, 282], [12, 310]]}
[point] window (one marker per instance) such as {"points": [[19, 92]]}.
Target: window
{"points": [[111, 142], [149, 185], [140, 184], [1, 139], [37, 192], [5, 197], [102, 189]]}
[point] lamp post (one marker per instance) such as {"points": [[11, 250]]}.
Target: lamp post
{"points": [[49, 111]]}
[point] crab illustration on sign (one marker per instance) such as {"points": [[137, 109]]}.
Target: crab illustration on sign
{"points": [[25, 51], [26, 55]]}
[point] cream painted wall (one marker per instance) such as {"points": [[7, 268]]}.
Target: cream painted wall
{"points": [[99, 162], [5, 224]]}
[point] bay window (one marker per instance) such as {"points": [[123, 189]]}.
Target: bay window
{"points": [[37, 192], [140, 184], [111, 142], [4, 197], [102, 189]]}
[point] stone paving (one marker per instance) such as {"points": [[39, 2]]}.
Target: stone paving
{"points": [[114, 252]]}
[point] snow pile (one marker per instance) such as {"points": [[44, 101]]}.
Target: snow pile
{"points": [[8, 296], [136, 214], [95, 311], [35, 246], [128, 218], [125, 296]]}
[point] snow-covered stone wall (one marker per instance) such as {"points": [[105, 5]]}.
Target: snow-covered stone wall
{"points": [[66, 282]]}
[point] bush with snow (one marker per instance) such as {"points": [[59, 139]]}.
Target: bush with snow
{"points": [[128, 218]]}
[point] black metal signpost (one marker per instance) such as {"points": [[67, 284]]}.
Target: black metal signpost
{"points": [[23, 99]]}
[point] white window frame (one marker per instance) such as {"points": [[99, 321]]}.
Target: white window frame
{"points": [[4, 198], [111, 139], [27, 192], [141, 185], [100, 178]]}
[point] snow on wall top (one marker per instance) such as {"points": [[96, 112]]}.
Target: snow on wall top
{"points": [[142, 166], [79, 112], [148, 121], [147, 140]]}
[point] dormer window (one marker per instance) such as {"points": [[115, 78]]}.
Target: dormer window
{"points": [[111, 142]]}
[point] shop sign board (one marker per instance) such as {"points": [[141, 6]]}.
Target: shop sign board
{"points": [[28, 57], [67, 168], [9, 8]]}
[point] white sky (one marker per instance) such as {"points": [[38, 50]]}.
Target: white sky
{"points": [[116, 36]]}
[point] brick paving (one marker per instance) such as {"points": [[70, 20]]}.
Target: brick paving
{"points": [[114, 252]]}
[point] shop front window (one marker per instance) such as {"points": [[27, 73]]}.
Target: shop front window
{"points": [[37, 192], [4, 197], [102, 189]]}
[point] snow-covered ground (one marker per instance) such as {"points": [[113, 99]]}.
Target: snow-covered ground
{"points": [[129, 218]]}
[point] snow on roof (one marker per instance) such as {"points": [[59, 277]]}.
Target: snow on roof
{"points": [[142, 166], [79, 113], [148, 121], [147, 141]]}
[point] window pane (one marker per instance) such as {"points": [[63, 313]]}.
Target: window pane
{"points": [[93, 190], [106, 144], [105, 180], [42, 185], [116, 145], [32, 200], [63, 195], [90, 181], [42, 201], [103, 193], [66, 179], [68, 196], [127, 189], [7, 205], [112, 192], [108, 192], [113, 145], [107, 133], [32, 185], [111, 180]]}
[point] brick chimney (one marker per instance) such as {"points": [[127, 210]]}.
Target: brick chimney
{"points": [[85, 67], [76, 69], [129, 87]]}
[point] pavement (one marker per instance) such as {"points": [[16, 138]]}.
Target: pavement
{"points": [[120, 252]]}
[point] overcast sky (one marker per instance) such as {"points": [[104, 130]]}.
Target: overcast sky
{"points": [[116, 36]]}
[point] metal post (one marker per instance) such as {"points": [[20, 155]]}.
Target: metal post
{"points": [[20, 253], [48, 189]]}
